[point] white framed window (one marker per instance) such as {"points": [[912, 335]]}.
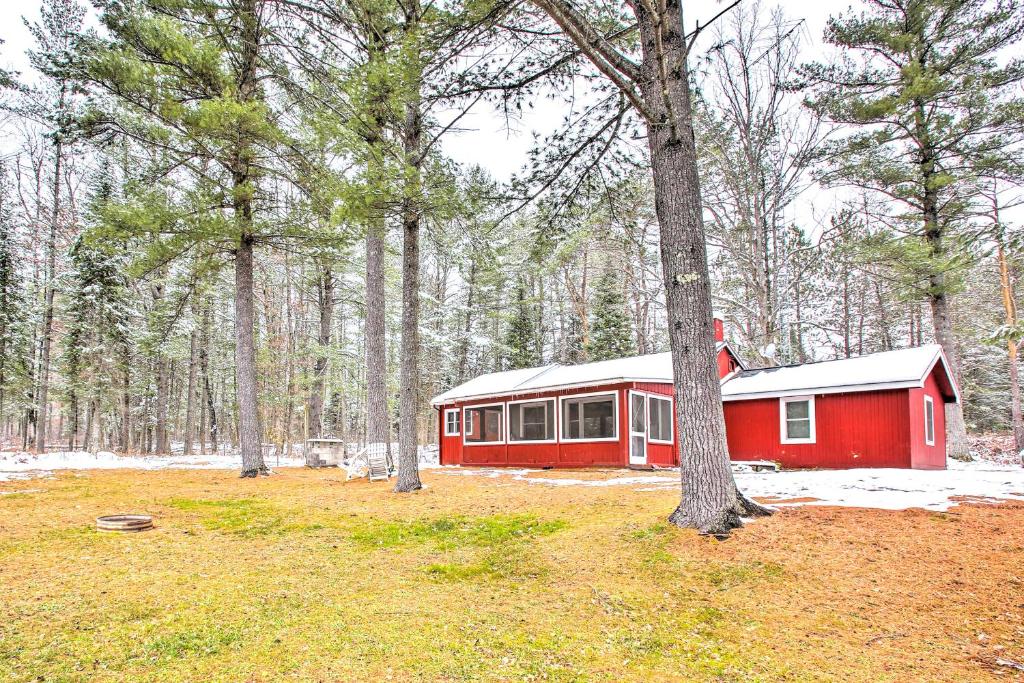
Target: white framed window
{"points": [[929, 421], [532, 421], [660, 423], [590, 417], [796, 419], [451, 422], [484, 424]]}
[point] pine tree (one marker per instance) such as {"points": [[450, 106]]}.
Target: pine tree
{"points": [[643, 54], [14, 344], [97, 313], [192, 80], [57, 37], [521, 340], [611, 334], [932, 108]]}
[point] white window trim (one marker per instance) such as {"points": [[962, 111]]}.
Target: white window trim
{"points": [[810, 413], [615, 416], [504, 418], [928, 400], [527, 442], [671, 419], [458, 422]]}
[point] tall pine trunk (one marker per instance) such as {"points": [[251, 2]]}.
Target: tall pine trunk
{"points": [[126, 400], [377, 430], [408, 399], [246, 386], [160, 440], [42, 409], [245, 359], [942, 324], [377, 420], [710, 501], [316, 392], [190, 394], [468, 325], [1010, 308]]}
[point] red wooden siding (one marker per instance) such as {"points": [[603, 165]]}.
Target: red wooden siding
{"points": [[865, 429], [726, 363], [857, 429], [923, 456]]}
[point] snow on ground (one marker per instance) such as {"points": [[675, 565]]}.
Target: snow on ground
{"points": [[887, 489], [22, 465], [983, 480]]}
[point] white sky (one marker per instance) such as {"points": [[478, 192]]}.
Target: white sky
{"points": [[485, 141], [503, 152]]}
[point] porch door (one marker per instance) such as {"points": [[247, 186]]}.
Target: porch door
{"points": [[637, 429]]}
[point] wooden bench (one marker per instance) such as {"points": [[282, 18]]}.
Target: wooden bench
{"points": [[758, 465]]}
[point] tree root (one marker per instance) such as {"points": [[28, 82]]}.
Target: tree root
{"points": [[406, 488], [252, 474], [748, 507], [721, 524]]}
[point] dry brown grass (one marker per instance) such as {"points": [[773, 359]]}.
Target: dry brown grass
{"points": [[302, 576]]}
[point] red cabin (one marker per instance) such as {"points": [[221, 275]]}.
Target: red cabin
{"points": [[879, 410]]}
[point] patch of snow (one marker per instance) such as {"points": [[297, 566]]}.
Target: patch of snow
{"points": [[884, 489], [20, 465]]}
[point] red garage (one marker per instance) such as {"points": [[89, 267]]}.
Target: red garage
{"points": [[880, 410]]}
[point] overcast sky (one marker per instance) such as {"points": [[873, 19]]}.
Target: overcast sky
{"points": [[484, 140]]}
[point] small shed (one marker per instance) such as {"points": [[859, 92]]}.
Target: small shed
{"points": [[879, 410]]}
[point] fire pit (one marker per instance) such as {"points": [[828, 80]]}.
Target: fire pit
{"points": [[124, 523]]}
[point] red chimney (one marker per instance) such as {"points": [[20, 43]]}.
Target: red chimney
{"points": [[719, 329]]}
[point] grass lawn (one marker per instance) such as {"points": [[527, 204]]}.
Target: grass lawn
{"points": [[304, 577]]}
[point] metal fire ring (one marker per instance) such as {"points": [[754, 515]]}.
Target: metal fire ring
{"points": [[124, 523]]}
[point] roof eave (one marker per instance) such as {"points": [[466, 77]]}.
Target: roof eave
{"points": [[542, 390], [836, 389]]}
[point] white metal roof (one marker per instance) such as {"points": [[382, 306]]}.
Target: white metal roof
{"points": [[656, 367], [905, 368]]}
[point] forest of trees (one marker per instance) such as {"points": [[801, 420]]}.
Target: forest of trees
{"points": [[233, 222]]}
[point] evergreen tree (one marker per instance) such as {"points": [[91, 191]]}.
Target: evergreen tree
{"points": [[933, 109], [98, 315], [14, 342], [521, 341], [611, 334], [194, 80], [54, 104]]}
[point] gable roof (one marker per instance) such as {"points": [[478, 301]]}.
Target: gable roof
{"points": [[902, 369], [656, 367]]}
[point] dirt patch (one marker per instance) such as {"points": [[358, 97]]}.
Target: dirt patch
{"points": [[773, 500]]}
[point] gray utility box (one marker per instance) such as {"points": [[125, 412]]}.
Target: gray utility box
{"points": [[324, 452]]}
